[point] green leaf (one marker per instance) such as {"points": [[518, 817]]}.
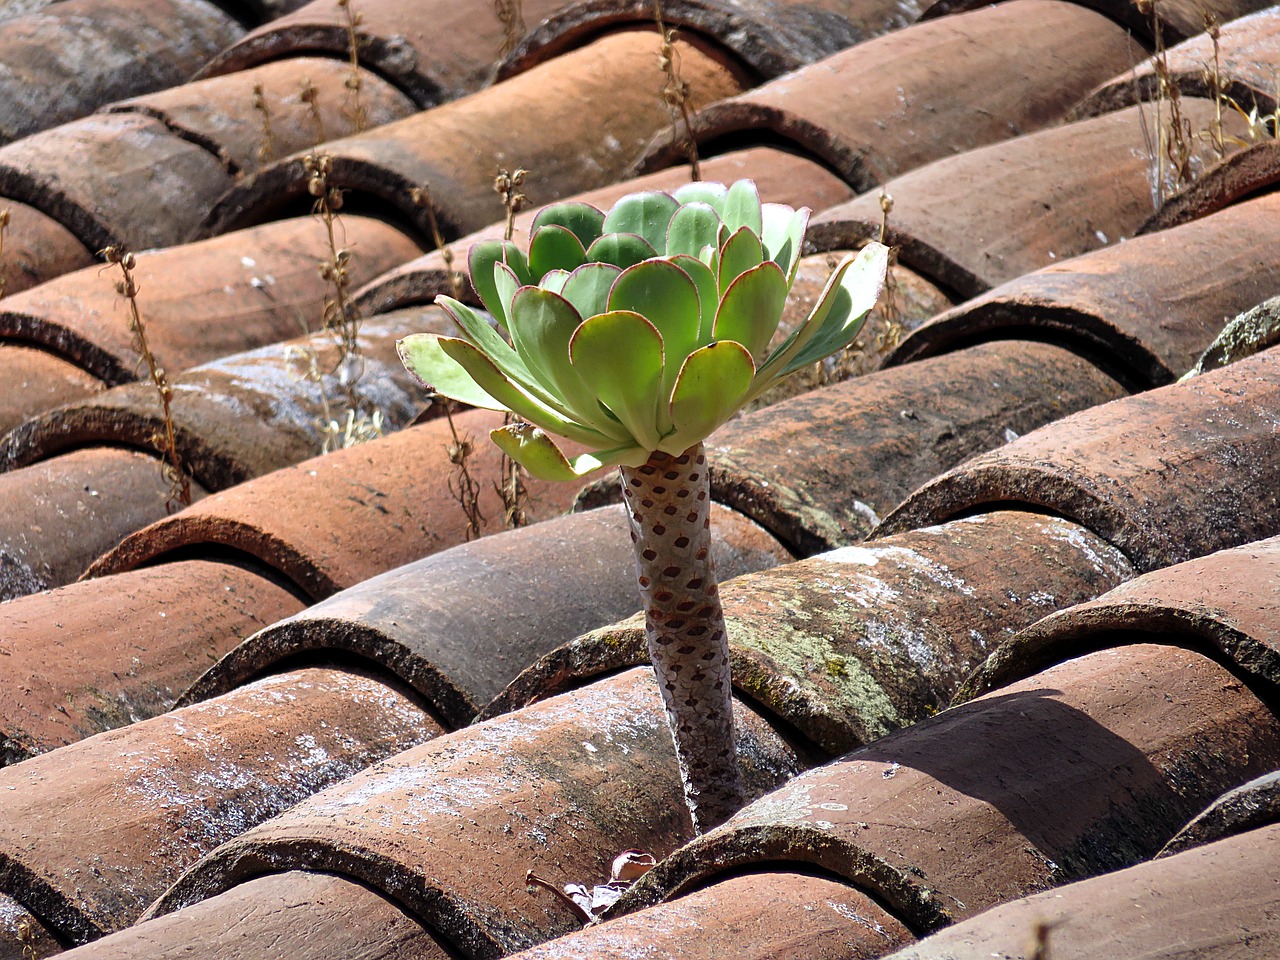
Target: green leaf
{"points": [[620, 249], [708, 294], [644, 214], [741, 252], [703, 191], [742, 207], [534, 450], [480, 261], [751, 308], [849, 295], [619, 356], [543, 323], [709, 390], [492, 381], [505, 285], [783, 236], [583, 220], [555, 248], [667, 297], [694, 226], [501, 353], [588, 288], [421, 355], [554, 280]]}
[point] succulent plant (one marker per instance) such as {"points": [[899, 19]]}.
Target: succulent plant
{"points": [[633, 335]]}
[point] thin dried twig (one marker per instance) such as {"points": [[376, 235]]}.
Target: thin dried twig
{"points": [[675, 92], [511, 16], [421, 197], [266, 151], [354, 81], [309, 95]]}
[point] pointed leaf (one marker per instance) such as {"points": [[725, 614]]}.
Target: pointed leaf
{"points": [[751, 308], [480, 260], [667, 297], [489, 342], [693, 227], [620, 249], [644, 214], [783, 236], [742, 207], [588, 288], [543, 323], [505, 285], [534, 450], [708, 294], [421, 355], [708, 391], [554, 248], [583, 220], [741, 252], [491, 380], [554, 280], [619, 356], [860, 288], [703, 191]]}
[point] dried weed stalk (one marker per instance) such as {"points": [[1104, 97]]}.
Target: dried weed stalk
{"points": [[511, 486], [507, 187], [127, 287], [675, 91], [341, 319], [355, 109], [266, 151], [5, 216], [1213, 80], [309, 95], [464, 487], [1170, 148], [511, 16], [421, 197]]}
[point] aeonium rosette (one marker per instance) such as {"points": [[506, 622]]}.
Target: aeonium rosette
{"points": [[639, 330]]}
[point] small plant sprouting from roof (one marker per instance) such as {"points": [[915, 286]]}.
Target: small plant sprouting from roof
{"points": [[1171, 144], [354, 81], [127, 287], [510, 486], [635, 334], [310, 96], [5, 216], [511, 15], [675, 91], [266, 151]]}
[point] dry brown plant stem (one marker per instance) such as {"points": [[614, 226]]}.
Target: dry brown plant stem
{"points": [[180, 483], [511, 487], [421, 197], [1173, 131], [1213, 79], [309, 95], [511, 16], [266, 151], [353, 82], [5, 216], [675, 92], [465, 489]]}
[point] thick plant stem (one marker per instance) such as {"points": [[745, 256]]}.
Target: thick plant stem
{"points": [[669, 503]]}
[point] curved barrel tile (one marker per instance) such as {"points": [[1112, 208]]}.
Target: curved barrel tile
{"points": [[64, 61], [448, 831], [989, 215], [1087, 767], [1248, 47], [433, 50], [36, 248], [93, 832], [779, 176], [1249, 806], [74, 508], [1165, 476], [932, 89], [1223, 602], [459, 625], [115, 178], [244, 415], [577, 123], [63, 683], [299, 915], [848, 645], [1249, 171], [37, 380], [770, 36], [332, 521], [200, 301], [1142, 310], [895, 429], [1213, 903], [220, 115], [759, 916]]}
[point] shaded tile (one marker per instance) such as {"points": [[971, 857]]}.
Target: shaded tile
{"points": [[36, 248]]}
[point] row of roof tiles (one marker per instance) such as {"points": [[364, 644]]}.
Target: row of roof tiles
{"points": [[835, 697]]}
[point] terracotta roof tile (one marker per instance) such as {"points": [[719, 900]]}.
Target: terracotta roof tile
{"points": [[92, 833], [455, 149], [1143, 310], [1247, 807], [66, 60], [1087, 767], [448, 832], [848, 645], [530, 590], [1252, 170], [178, 619], [37, 248], [39, 380], [1166, 476], [878, 109]]}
